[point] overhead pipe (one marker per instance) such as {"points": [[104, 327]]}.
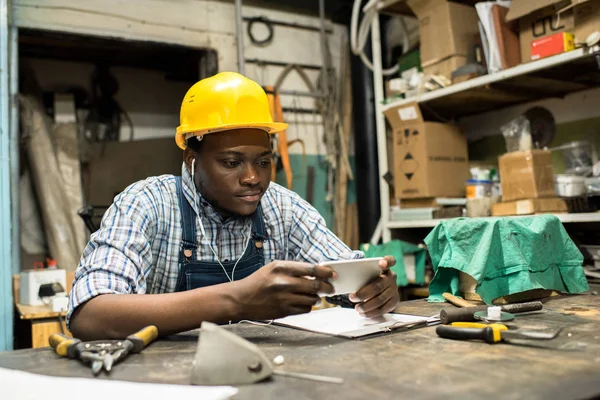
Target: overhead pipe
{"points": [[365, 145], [239, 31]]}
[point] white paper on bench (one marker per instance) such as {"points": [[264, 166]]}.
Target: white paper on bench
{"points": [[346, 322], [19, 385]]}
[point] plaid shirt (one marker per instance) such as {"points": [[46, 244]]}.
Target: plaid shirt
{"points": [[136, 249]]}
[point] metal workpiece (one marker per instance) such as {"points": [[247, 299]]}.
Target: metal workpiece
{"points": [[224, 358]]}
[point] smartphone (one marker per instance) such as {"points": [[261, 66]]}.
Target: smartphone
{"points": [[353, 275]]}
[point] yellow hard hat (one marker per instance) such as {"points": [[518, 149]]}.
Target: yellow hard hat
{"points": [[222, 102]]}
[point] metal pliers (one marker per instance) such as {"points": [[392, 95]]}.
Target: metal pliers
{"points": [[102, 353]]}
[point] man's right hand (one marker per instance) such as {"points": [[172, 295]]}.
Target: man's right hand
{"points": [[283, 288]]}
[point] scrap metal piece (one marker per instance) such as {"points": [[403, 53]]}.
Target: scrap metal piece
{"points": [[223, 358], [530, 335], [484, 316], [310, 377]]}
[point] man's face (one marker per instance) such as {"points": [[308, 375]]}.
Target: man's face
{"points": [[233, 169]]}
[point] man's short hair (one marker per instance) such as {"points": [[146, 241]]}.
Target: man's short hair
{"points": [[194, 143]]}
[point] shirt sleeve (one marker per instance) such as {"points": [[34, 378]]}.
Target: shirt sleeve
{"points": [[311, 241], [118, 257]]}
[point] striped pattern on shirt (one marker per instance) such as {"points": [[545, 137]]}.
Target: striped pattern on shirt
{"points": [[136, 249]]}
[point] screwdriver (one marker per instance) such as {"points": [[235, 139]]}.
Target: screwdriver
{"points": [[492, 333]]}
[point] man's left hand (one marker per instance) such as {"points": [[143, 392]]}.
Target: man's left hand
{"points": [[380, 296]]}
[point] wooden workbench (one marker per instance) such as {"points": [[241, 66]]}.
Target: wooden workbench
{"points": [[41, 322], [413, 365]]}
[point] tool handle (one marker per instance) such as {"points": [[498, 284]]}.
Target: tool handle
{"points": [[457, 301], [448, 316], [523, 307], [449, 332], [143, 338], [472, 325], [62, 343]]}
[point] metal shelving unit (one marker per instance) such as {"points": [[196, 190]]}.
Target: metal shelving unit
{"points": [[554, 76], [549, 77], [430, 223]]}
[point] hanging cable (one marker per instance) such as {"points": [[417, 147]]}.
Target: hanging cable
{"points": [[103, 122], [267, 23], [360, 34]]}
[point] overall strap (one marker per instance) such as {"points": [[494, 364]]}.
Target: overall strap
{"points": [[188, 224], [259, 233]]}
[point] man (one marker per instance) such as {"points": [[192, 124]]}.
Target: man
{"points": [[220, 243]]}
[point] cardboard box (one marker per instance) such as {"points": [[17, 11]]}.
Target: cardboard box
{"points": [[551, 45], [481, 207], [432, 202], [430, 158], [507, 37], [530, 206], [586, 14], [526, 175], [445, 67], [541, 18], [419, 203], [446, 28]]}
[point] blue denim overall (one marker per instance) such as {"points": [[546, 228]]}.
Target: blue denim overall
{"points": [[196, 274]]}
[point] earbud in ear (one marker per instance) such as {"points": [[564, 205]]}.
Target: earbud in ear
{"points": [[193, 167]]}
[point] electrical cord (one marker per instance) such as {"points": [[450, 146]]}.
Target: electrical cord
{"points": [[359, 34], [60, 322], [267, 23], [104, 120], [45, 294], [247, 321]]}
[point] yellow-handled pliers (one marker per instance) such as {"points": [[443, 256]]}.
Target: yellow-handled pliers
{"points": [[490, 333], [102, 353]]}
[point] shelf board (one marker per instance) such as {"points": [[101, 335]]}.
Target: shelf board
{"points": [[430, 223], [554, 76]]}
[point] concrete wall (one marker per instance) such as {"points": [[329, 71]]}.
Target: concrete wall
{"points": [[151, 101], [196, 23], [574, 107]]}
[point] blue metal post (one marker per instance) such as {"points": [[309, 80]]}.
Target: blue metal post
{"points": [[15, 135], [7, 259]]}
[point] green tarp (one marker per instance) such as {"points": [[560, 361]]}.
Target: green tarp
{"points": [[505, 256], [398, 249]]}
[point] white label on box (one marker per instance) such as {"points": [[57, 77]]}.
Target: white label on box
{"points": [[408, 113]]}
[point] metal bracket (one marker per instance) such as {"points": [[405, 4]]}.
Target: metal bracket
{"points": [[223, 358]]}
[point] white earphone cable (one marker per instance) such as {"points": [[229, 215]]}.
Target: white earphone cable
{"points": [[202, 230]]}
